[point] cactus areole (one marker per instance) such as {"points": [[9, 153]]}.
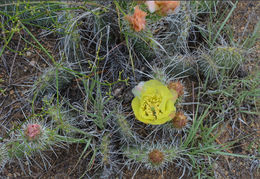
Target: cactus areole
{"points": [[156, 157]]}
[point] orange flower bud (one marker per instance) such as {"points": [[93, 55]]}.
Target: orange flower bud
{"points": [[177, 86], [180, 120]]}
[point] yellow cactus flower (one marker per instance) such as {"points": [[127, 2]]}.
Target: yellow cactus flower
{"points": [[153, 102]]}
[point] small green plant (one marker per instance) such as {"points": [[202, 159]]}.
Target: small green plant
{"points": [[125, 129], [221, 62], [46, 84]]}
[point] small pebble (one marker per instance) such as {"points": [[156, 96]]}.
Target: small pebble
{"points": [[28, 54], [12, 92], [226, 173], [9, 174], [32, 63]]}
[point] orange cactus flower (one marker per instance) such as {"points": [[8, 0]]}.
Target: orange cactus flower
{"points": [[165, 7], [137, 20]]}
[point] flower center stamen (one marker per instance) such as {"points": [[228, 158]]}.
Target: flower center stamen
{"points": [[151, 106]]}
